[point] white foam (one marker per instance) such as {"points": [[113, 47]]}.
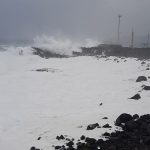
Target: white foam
{"points": [[62, 45]]}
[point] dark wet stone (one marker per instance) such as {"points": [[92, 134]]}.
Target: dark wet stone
{"points": [[82, 137], [42, 70], [80, 146], [90, 140], [105, 118], [38, 138], [123, 118], [136, 97], [92, 126], [101, 104], [107, 126], [32, 148], [141, 78], [146, 88], [70, 144], [143, 62], [106, 134], [146, 140], [135, 116], [135, 135], [58, 147], [61, 137]]}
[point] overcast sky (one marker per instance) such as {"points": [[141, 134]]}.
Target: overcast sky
{"points": [[25, 19]]}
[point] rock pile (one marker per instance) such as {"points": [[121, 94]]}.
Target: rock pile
{"points": [[135, 135]]}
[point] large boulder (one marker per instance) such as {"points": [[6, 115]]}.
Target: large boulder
{"points": [[141, 78], [123, 118]]}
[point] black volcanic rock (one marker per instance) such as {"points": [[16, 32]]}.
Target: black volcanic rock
{"points": [[141, 78], [101, 104], [82, 137], [90, 140], [135, 135], [61, 137], [92, 126], [58, 147], [107, 126], [105, 118], [39, 138], [33, 148], [70, 144], [147, 88], [123, 118], [136, 97], [106, 134], [135, 116], [46, 53], [143, 62]]}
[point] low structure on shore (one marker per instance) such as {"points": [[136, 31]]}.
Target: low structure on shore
{"points": [[114, 50]]}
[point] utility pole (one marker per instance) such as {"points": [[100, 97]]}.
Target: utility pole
{"points": [[132, 39], [119, 21]]}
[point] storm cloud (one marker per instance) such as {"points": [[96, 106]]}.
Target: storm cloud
{"points": [[25, 19]]}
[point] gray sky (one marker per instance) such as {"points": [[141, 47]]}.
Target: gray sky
{"points": [[25, 19]]}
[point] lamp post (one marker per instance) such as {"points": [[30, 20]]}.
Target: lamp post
{"points": [[119, 22]]}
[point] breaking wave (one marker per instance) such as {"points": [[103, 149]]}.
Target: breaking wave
{"points": [[62, 45], [58, 45]]}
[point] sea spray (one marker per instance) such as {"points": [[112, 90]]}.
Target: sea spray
{"points": [[62, 45]]}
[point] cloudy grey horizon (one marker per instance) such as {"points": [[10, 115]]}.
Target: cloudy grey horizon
{"points": [[26, 19]]}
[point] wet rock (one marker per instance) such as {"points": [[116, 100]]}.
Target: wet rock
{"points": [[90, 140], [38, 138], [136, 97], [130, 126], [80, 146], [92, 126], [123, 118], [105, 118], [135, 135], [101, 104], [141, 78], [61, 137], [146, 140], [145, 118], [106, 134], [107, 126], [42, 70], [135, 116], [58, 147], [32, 148], [82, 137], [143, 62], [99, 142], [70, 144], [147, 88], [67, 139]]}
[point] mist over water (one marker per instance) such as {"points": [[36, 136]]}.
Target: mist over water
{"points": [[62, 45], [56, 44]]}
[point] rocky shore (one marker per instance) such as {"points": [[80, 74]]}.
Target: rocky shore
{"points": [[135, 135]]}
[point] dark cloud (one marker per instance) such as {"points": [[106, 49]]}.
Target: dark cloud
{"points": [[25, 19]]}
